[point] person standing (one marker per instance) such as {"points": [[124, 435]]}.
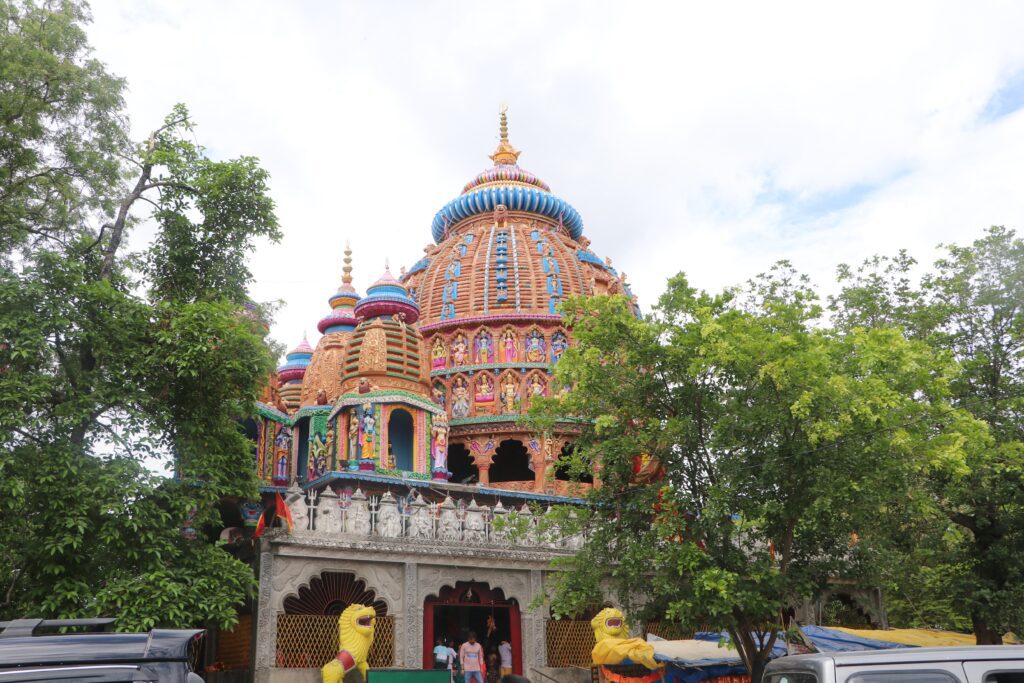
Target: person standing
{"points": [[505, 653], [471, 656], [441, 658], [453, 659]]}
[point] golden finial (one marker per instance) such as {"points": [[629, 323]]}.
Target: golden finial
{"points": [[346, 278], [506, 154]]}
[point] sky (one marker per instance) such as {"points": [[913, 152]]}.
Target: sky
{"points": [[709, 138]]}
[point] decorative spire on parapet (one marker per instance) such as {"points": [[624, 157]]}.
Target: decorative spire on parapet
{"points": [[388, 297], [505, 154], [291, 374], [342, 316]]}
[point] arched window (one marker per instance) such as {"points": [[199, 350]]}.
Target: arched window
{"points": [[511, 463], [564, 470], [460, 464]]}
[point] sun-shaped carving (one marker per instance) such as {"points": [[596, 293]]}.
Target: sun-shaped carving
{"points": [[332, 592]]}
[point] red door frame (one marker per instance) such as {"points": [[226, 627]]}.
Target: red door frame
{"points": [[514, 622]]}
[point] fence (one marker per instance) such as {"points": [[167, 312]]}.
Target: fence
{"points": [[233, 645], [569, 643], [308, 641], [669, 630]]}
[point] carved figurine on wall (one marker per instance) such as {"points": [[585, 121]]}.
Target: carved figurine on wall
{"points": [[368, 433], [317, 462], [353, 435], [460, 350], [438, 354], [460, 397], [510, 347], [535, 347], [484, 390], [559, 343], [282, 448], [438, 394], [509, 394], [439, 444], [536, 386], [484, 348], [329, 449]]}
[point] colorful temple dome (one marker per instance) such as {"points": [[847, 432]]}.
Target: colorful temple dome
{"points": [[387, 297], [296, 362], [342, 317]]}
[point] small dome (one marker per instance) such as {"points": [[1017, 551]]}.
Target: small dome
{"points": [[296, 361], [387, 297], [506, 175]]}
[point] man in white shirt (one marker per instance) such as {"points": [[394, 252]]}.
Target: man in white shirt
{"points": [[505, 653]]}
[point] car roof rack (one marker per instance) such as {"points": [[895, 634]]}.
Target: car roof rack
{"points": [[21, 628]]}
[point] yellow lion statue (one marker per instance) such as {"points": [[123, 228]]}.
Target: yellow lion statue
{"points": [[613, 647], [355, 636]]}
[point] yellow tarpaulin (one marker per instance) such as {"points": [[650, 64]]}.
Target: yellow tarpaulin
{"points": [[615, 650], [920, 637]]}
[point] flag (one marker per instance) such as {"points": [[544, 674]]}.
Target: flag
{"points": [[285, 513], [261, 524]]}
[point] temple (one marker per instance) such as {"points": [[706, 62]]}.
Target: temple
{"points": [[397, 442]]}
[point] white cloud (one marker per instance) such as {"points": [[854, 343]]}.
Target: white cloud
{"points": [[713, 138]]}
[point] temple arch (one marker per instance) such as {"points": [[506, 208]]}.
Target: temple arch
{"points": [[400, 439], [511, 463]]}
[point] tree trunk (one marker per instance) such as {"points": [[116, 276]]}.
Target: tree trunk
{"points": [[983, 633]]}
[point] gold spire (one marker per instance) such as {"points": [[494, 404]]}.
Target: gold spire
{"points": [[506, 154], [346, 277]]}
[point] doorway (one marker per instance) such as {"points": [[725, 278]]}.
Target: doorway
{"points": [[472, 606], [400, 429]]}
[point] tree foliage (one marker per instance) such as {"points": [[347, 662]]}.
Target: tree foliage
{"points": [[963, 546], [111, 361], [783, 440]]}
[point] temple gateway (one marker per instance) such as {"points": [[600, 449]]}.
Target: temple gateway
{"points": [[396, 445]]}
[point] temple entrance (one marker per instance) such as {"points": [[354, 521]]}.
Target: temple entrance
{"points": [[472, 606], [400, 429]]}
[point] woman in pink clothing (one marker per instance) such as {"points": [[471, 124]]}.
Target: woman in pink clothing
{"points": [[471, 655]]}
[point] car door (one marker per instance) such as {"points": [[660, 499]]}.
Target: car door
{"points": [[995, 671], [923, 672]]}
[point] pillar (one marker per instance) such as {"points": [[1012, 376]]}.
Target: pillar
{"points": [[266, 620], [483, 465], [410, 656]]}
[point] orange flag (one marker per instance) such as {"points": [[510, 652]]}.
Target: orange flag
{"points": [[284, 512]]}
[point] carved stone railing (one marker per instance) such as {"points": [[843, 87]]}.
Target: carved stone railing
{"points": [[324, 514]]}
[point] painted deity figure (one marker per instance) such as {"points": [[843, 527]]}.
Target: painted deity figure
{"points": [[536, 386], [438, 394], [460, 397], [460, 350], [317, 463], [535, 347], [282, 447], [281, 468], [509, 395], [438, 354], [353, 435], [484, 348], [510, 347], [368, 432], [559, 343], [485, 390], [439, 446]]}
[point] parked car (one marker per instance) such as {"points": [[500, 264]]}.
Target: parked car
{"points": [[979, 664], [30, 650]]}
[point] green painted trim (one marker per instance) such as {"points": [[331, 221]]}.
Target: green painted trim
{"points": [[492, 366]]}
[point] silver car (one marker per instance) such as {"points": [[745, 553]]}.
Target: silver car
{"points": [[978, 664]]}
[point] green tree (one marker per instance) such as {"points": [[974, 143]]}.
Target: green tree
{"points": [[781, 440], [112, 362], [970, 304]]}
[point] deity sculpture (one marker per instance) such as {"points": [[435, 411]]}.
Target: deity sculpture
{"points": [[559, 343], [353, 435], [460, 397], [368, 432], [536, 386], [448, 522], [474, 526], [439, 443], [510, 347], [510, 395], [357, 518], [438, 354], [484, 348], [460, 350], [535, 347], [484, 390], [438, 394], [317, 463]]}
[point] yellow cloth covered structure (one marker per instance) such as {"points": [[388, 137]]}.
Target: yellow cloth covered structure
{"points": [[920, 637]]}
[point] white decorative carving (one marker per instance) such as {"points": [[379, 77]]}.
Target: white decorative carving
{"points": [[389, 520], [296, 502], [328, 514], [421, 522], [357, 522], [475, 531], [449, 528]]}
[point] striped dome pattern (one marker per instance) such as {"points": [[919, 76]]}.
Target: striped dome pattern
{"points": [[528, 199], [509, 173]]}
